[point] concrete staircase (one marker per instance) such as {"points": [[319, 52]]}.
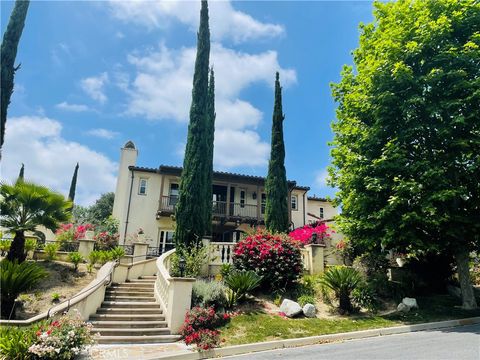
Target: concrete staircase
{"points": [[130, 315]]}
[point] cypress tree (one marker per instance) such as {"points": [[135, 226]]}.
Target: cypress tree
{"points": [[73, 184], [276, 189], [8, 51], [210, 136], [21, 173], [192, 208]]}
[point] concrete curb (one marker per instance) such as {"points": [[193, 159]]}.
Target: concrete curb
{"points": [[313, 340]]}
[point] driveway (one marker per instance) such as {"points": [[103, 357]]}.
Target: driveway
{"points": [[459, 343]]}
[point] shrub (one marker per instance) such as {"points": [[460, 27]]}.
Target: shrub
{"points": [[306, 299], [305, 234], [106, 240], [16, 278], [55, 297], [5, 246], [194, 260], [75, 258], [342, 281], [225, 270], [94, 257], [241, 283], [15, 341], [275, 257], [199, 327], [105, 256], [30, 245], [209, 293], [51, 250], [364, 297], [117, 253], [62, 339]]}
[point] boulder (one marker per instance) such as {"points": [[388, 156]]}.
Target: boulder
{"points": [[403, 308], [290, 308], [410, 302], [309, 310]]}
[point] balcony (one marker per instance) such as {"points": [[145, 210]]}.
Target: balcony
{"points": [[220, 209]]}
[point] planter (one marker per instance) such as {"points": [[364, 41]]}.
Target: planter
{"points": [[400, 261], [89, 234], [141, 238]]}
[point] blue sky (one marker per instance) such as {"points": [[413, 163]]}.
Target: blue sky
{"points": [[96, 74]]}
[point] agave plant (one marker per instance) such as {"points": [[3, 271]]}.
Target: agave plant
{"points": [[342, 281], [16, 278], [240, 283]]}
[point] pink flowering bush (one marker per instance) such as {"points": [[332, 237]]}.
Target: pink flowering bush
{"points": [[275, 257], [305, 233], [106, 240], [70, 232], [199, 327], [62, 339]]}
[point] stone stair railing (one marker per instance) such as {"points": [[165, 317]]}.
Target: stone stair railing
{"points": [[173, 293]]}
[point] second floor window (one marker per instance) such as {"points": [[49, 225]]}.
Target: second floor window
{"points": [[294, 202], [264, 202], [321, 213], [242, 198], [142, 187], [173, 194]]}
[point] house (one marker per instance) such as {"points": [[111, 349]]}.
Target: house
{"points": [[145, 199]]}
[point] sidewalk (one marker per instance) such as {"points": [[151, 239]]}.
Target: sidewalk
{"points": [[136, 351]]}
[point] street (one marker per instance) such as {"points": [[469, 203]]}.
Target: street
{"points": [[460, 343]]}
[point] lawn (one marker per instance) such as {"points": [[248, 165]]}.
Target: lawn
{"points": [[258, 326]]}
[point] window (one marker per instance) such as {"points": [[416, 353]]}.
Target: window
{"points": [[321, 213], [142, 187], [264, 202], [294, 202], [173, 194], [242, 198]]}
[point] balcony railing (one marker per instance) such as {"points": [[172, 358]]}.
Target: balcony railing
{"points": [[219, 208]]}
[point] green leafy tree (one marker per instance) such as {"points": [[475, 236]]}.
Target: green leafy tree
{"points": [[276, 188], [73, 184], [102, 209], [8, 51], [407, 135], [195, 203], [24, 206], [209, 138]]}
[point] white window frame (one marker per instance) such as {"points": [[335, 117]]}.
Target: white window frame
{"points": [[243, 198], [294, 200], [142, 183]]}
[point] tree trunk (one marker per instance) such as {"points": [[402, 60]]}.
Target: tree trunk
{"points": [[345, 303], [17, 249], [468, 296], [7, 306]]}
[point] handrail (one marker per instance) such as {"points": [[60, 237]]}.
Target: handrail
{"points": [[94, 287]]}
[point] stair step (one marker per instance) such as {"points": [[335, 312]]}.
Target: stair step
{"points": [[128, 317], [128, 324], [129, 292], [141, 281], [130, 288], [137, 339], [130, 304], [154, 277], [143, 285], [131, 331], [131, 311], [127, 298]]}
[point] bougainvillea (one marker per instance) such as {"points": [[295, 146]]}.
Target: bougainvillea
{"points": [[106, 240], [199, 327], [305, 233], [275, 257], [70, 232]]}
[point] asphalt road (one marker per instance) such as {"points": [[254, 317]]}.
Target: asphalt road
{"points": [[460, 343]]}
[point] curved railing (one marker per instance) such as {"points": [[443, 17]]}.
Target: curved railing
{"points": [[173, 293]]}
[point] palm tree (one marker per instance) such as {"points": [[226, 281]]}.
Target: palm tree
{"points": [[24, 206]]}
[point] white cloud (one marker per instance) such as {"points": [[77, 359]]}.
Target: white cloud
{"points": [[50, 159], [321, 178], [103, 133], [225, 21], [95, 87], [162, 87], [72, 107]]}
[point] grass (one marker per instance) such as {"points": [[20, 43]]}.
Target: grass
{"points": [[258, 326]]}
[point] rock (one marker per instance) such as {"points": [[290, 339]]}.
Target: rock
{"points": [[290, 308], [309, 310], [403, 308], [410, 302]]}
